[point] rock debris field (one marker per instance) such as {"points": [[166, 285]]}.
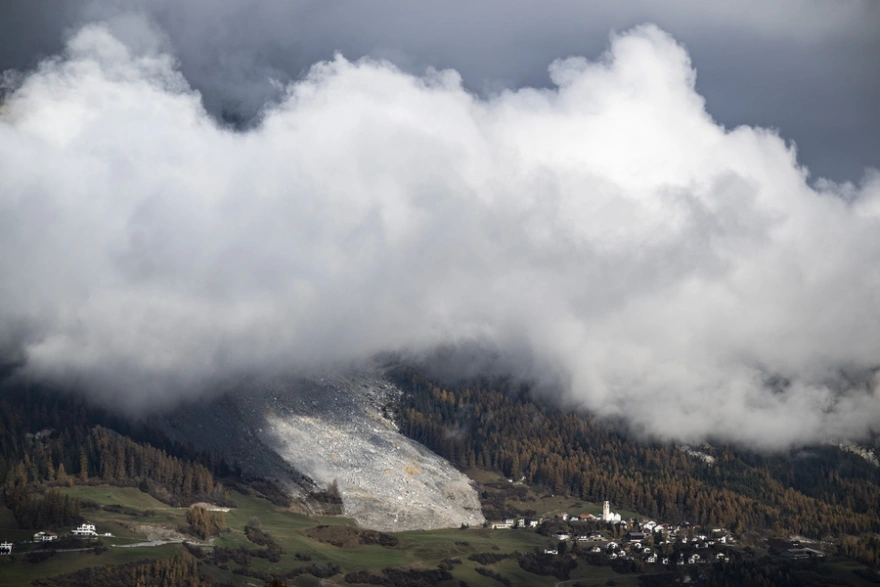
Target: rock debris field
{"points": [[332, 429]]}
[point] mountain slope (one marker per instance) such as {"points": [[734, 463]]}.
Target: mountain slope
{"points": [[308, 433]]}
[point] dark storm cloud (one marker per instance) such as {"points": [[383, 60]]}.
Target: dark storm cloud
{"points": [[808, 68]]}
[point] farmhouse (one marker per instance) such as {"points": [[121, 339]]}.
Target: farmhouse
{"points": [[87, 529], [502, 524], [635, 536], [561, 536], [45, 536]]}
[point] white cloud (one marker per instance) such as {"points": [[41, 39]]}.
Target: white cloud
{"points": [[668, 267]]}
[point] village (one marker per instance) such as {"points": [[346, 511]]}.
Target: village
{"points": [[612, 538]]}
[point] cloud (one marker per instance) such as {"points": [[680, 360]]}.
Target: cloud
{"points": [[805, 67], [678, 274]]}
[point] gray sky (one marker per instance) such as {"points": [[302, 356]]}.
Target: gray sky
{"points": [[579, 199], [809, 68]]}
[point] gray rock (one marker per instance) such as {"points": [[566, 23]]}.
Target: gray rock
{"points": [[307, 432]]}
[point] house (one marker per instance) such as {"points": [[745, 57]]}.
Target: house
{"points": [[502, 524], [551, 551], [586, 517], [595, 549], [693, 559], [533, 523], [87, 529], [651, 558], [649, 526], [521, 523], [583, 538], [612, 555], [5, 548], [561, 536], [635, 536], [45, 536], [665, 561], [611, 546]]}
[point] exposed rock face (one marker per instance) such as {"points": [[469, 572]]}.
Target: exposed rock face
{"points": [[387, 481], [332, 429]]}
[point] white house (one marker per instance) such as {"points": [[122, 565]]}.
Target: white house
{"points": [[551, 551], [561, 536], [87, 529], [5, 548], [503, 524], [45, 536]]}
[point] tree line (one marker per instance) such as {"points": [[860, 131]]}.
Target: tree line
{"points": [[498, 425], [52, 440]]}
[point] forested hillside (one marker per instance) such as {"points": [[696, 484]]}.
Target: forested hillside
{"points": [[498, 425], [55, 439]]}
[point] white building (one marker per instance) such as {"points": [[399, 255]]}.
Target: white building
{"points": [[561, 536], [87, 529], [45, 536], [5, 548], [607, 514]]}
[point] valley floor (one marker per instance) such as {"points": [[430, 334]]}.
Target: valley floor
{"points": [[134, 518]]}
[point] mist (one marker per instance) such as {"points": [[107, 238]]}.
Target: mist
{"points": [[603, 231]]}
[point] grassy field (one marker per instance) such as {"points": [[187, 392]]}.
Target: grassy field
{"points": [[133, 513], [419, 549]]}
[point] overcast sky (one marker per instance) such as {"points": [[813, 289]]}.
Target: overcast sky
{"points": [[809, 68], [611, 199]]}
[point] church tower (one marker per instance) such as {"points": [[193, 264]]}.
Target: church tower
{"points": [[606, 511]]}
